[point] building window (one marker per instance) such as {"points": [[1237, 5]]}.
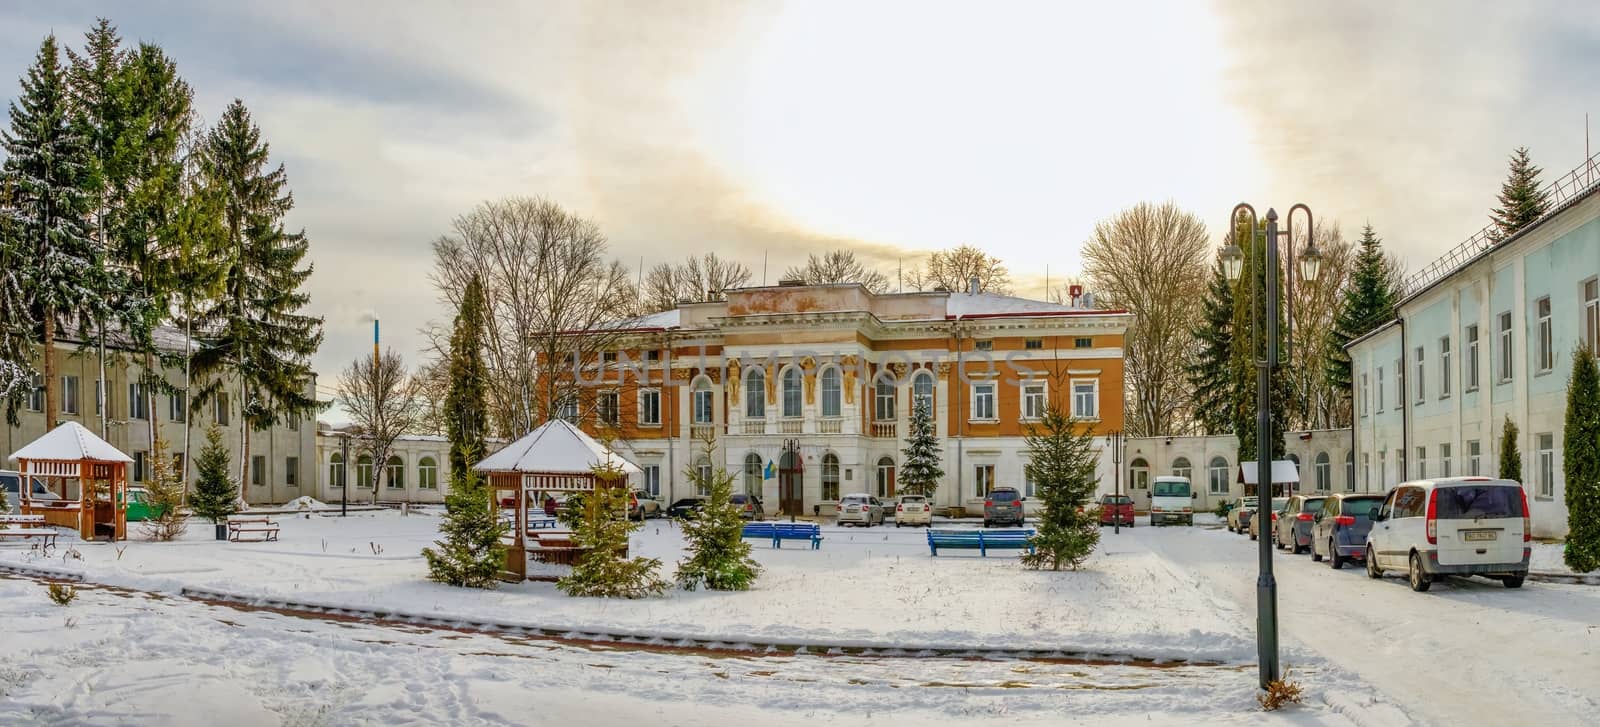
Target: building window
{"points": [[1591, 314], [704, 402], [36, 394], [1324, 472], [883, 399], [427, 473], [1547, 344], [98, 394], [1182, 468], [792, 391], [258, 470], [608, 357], [1086, 399], [364, 472], [1422, 462], [830, 477], [702, 469], [1139, 474], [1217, 475], [1366, 469], [1422, 391], [1399, 385], [885, 477], [983, 345], [178, 407], [608, 407], [1027, 479], [138, 466], [1083, 343], [567, 407], [649, 407], [983, 475], [1444, 367], [755, 394], [652, 356], [1547, 465], [832, 392], [1474, 459], [336, 471], [752, 473], [394, 473], [1362, 394], [1033, 400], [1033, 343], [294, 422], [1444, 460], [291, 471], [1350, 471], [1506, 368], [650, 479], [69, 395], [219, 409], [922, 391], [1379, 397], [138, 405], [983, 401], [1383, 469], [1472, 358]]}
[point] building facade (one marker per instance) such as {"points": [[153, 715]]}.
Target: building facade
{"points": [[417, 470], [805, 393], [1486, 338], [1324, 458]]}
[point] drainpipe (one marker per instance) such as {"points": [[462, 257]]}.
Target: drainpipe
{"points": [[961, 421], [1405, 409]]}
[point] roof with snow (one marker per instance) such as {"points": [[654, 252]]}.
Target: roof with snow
{"points": [[70, 442], [165, 337], [1283, 472], [556, 447], [966, 305], [663, 319]]}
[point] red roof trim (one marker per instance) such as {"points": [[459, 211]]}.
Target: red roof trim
{"points": [[1036, 314]]}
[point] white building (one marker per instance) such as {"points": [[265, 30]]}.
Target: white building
{"points": [[1324, 458], [418, 469]]}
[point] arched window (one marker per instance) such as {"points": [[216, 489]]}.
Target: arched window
{"points": [[428, 473], [702, 467], [1324, 472], [1139, 474], [755, 394], [394, 473], [883, 399], [791, 392], [704, 413], [830, 477], [922, 391], [336, 470], [1217, 476], [832, 392], [752, 474], [886, 476], [1350, 471], [1181, 468], [364, 471]]}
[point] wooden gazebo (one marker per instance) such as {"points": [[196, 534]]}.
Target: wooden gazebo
{"points": [[88, 475], [556, 457]]}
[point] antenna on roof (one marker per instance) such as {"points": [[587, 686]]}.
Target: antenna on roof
{"points": [[900, 275], [763, 268], [1047, 281]]}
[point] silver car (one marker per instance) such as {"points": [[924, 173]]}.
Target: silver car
{"points": [[1003, 505], [861, 509]]}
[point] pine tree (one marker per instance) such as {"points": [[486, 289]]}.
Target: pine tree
{"points": [[470, 554], [1581, 463], [719, 558], [213, 496], [254, 330], [1249, 346], [1061, 463], [920, 472], [466, 415], [1510, 455], [1521, 199], [46, 176], [602, 533], [1368, 302], [164, 495], [1210, 374]]}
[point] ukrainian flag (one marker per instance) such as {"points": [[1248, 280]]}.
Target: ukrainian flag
{"points": [[771, 471]]}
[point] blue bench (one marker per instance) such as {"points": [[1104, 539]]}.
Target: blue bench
{"points": [[979, 540], [776, 533]]}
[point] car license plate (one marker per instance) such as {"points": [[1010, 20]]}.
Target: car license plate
{"points": [[852, 509], [1474, 536]]}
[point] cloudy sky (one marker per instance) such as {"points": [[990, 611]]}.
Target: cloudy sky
{"points": [[770, 129]]}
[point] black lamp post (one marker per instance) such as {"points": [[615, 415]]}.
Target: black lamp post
{"points": [[1232, 263]]}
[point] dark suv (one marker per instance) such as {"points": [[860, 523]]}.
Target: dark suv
{"points": [[1003, 505], [749, 506]]}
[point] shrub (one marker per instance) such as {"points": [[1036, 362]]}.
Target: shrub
{"points": [[1278, 693], [62, 593], [164, 490], [602, 569], [469, 554], [719, 558]]}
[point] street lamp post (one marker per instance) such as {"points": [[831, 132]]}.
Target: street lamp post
{"points": [[1116, 483], [1233, 259]]}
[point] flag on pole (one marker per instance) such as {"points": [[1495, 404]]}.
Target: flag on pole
{"points": [[771, 471]]}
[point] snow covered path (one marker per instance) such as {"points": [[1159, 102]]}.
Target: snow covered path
{"points": [[1468, 652]]}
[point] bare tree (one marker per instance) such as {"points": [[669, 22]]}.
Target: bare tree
{"points": [[1150, 259], [381, 399], [1313, 404], [433, 384], [954, 269], [703, 278], [838, 266]]}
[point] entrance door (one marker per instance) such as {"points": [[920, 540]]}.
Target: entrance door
{"points": [[790, 481]]}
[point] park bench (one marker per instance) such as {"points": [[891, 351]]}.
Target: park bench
{"points": [[979, 540], [28, 527], [239, 527], [797, 531], [761, 531]]}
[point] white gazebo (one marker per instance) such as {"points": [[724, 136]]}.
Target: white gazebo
{"points": [[73, 455], [1284, 477], [556, 457]]}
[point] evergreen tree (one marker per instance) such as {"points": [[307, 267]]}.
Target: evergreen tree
{"points": [[213, 496], [601, 532], [1210, 373], [920, 472], [164, 495], [1061, 463], [1510, 455], [46, 176], [466, 415], [16, 323], [254, 330], [719, 558], [1369, 301], [1581, 463], [1521, 199], [1249, 346], [470, 554]]}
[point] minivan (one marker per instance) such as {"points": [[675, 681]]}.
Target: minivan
{"points": [[1452, 526], [11, 483], [1171, 501]]}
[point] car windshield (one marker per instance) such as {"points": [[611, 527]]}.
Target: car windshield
{"points": [[1117, 499], [1361, 507], [1279, 503], [1003, 495], [1172, 489], [855, 499], [1249, 502], [1479, 501], [1312, 504], [913, 499], [738, 498]]}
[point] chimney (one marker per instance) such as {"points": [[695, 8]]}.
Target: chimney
{"points": [[972, 285]]}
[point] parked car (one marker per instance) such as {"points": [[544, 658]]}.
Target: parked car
{"points": [[1292, 529], [1339, 531], [913, 510], [1003, 505], [1277, 505], [686, 507], [749, 506], [1116, 509], [1452, 526], [11, 482], [860, 509], [641, 505], [1239, 514], [139, 505], [1171, 501]]}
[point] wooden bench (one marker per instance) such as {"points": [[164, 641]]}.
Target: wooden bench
{"points": [[979, 540], [22, 521], [45, 536], [238, 527]]}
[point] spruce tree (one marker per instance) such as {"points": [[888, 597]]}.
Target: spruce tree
{"points": [[213, 496], [1510, 455], [466, 415], [920, 471], [46, 177], [1368, 301], [1581, 463], [255, 333], [1061, 463], [601, 531], [1210, 374], [164, 496], [1522, 200], [16, 323], [470, 554], [719, 558]]}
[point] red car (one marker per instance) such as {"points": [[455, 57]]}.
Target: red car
{"points": [[1116, 509]]}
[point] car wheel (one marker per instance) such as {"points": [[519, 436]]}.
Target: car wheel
{"points": [[1252, 536], [1373, 571], [1315, 556], [1514, 581], [1335, 561], [1420, 580]]}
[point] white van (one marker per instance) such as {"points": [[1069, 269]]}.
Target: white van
{"points": [[1171, 500], [1452, 526]]}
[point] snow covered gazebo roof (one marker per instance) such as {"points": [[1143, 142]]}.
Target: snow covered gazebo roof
{"points": [[556, 447], [70, 442], [1283, 472]]}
